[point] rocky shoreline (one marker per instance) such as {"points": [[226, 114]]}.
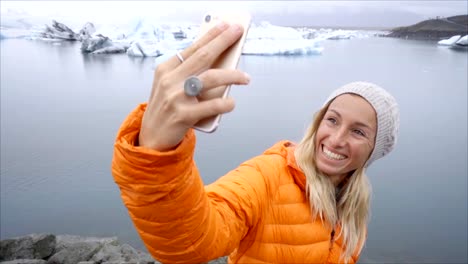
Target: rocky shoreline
{"points": [[70, 249]]}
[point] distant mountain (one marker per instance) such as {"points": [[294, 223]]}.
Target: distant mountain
{"points": [[433, 29]]}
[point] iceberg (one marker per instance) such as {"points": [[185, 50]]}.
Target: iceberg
{"points": [[91, 42], [144, 30], [101, 45], [455, 42], [463, 41], [460, 44], [137, 50], [148, 40], [268, 39], [336, 34], [450, 41], [265, 30], [111, 50], [87, 31], [142, 48], [340, 34], [148, 37], [281, 47], [57, 31]]}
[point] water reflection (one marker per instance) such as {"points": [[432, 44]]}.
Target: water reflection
{"points": [[143, 63], [93, 61], [461, 49]]}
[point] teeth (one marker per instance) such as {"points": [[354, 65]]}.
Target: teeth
{"points": [[332, 155]]}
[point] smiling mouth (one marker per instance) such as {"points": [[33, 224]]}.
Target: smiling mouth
{"points": [[332, 155]]}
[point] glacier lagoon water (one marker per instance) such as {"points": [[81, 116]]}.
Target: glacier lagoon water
{"points": [[60, 111]]}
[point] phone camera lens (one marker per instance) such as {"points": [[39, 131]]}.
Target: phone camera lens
{"points": [[207, 18]]}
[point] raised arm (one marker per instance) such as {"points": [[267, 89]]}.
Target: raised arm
{"points": [[178, 220], [154, 168]]}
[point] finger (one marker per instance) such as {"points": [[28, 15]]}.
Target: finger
{"points": [[210, 108], [204, 57], [219, 77], [215, 81], [174, 61]]}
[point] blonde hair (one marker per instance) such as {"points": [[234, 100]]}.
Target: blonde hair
{"points": [[348, 208]]}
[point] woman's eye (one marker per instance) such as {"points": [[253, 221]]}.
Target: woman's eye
{"points": [[331, 120], [359, 132]]}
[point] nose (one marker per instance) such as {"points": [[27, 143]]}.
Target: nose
{"points": [[338, 138]]}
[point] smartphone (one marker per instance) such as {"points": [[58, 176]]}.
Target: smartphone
{"points": [[229, 59]]}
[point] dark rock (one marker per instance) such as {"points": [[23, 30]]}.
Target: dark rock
{"points": [[25, 261], [67, 241], [121, 254], [68, 249], [44, 245], [35, 246], [74, 253], [17, 248], [73, 249]]}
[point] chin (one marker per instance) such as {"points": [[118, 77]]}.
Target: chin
{"points": [[327, 171]]}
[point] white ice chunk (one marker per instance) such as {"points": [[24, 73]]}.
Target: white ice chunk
{"points": [[102, 45], [268, 39], [141, 49], [268, 31], [281, 47], [110, 50], [463, 41], [87, 31], [339, 34], [450, 41], [148, 48]]}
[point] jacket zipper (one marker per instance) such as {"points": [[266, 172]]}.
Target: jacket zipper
{"points": [[332, 239]]}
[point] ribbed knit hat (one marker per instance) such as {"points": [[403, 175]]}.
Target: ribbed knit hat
{"points": [[388, 115]]}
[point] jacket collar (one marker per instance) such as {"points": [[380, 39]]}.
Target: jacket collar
{"points": [[286, 149], [297, 173]]}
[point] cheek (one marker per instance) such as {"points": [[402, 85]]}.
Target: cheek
{"points": [[321, 132], [363, 151]]}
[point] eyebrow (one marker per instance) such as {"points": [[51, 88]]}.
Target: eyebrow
{"points": [[357, 123]]}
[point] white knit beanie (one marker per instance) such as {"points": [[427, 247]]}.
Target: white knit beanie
{"points": [[388, 116]]}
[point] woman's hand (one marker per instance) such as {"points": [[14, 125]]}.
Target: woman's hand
{"points": [[170, 112]]}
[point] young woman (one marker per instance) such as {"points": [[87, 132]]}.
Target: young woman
{"points": [[304, 203]]}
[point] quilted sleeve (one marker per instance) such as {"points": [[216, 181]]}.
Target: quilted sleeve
{"points": [[178, 220]]}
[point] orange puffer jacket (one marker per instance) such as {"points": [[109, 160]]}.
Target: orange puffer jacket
{"points": [[257, 213]]}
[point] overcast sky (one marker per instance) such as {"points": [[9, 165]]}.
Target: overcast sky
{"points": [[287, 13]]}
